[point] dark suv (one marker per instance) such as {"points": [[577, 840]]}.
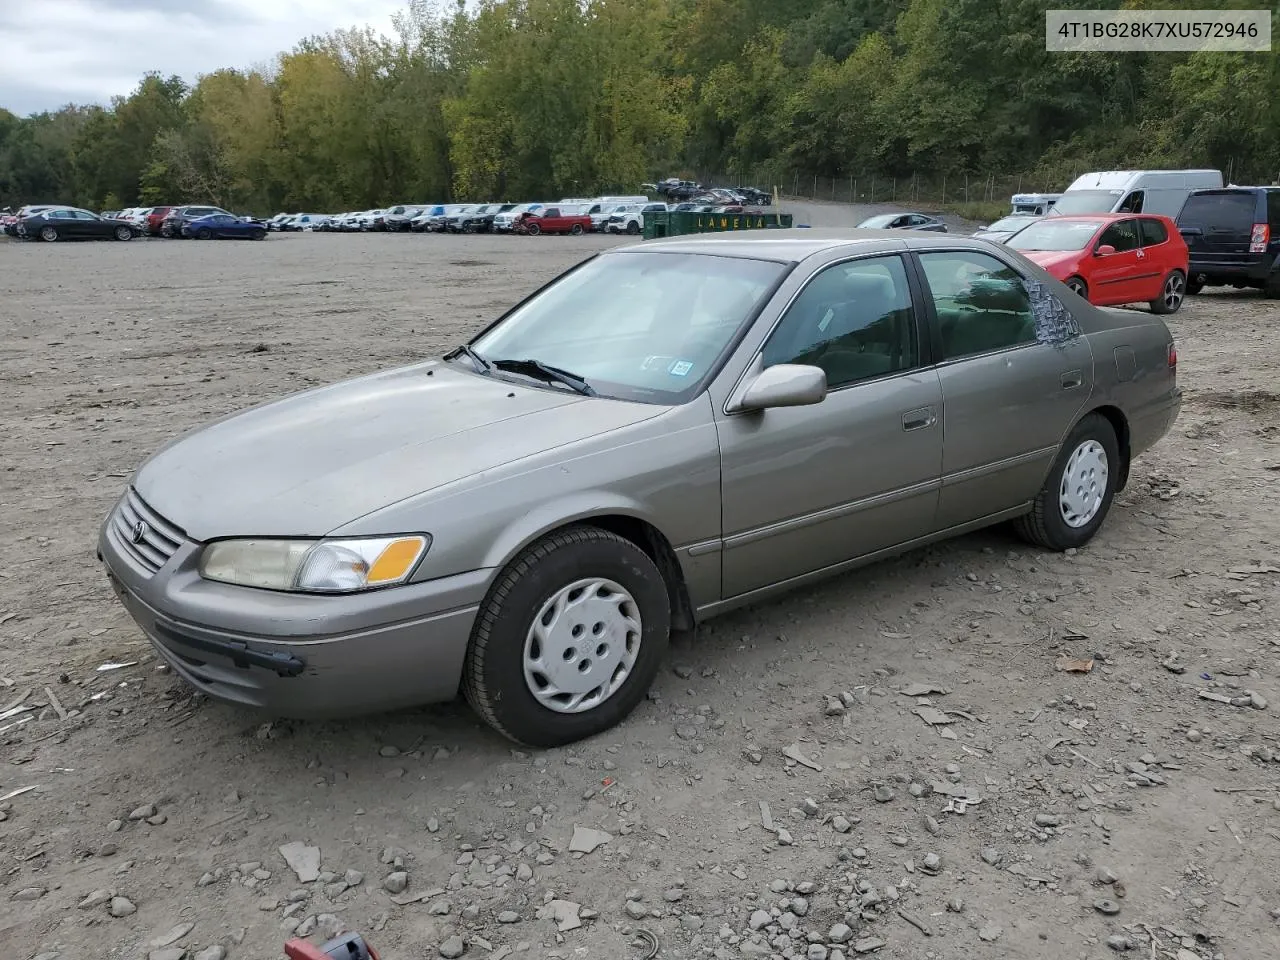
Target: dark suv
{"points": [[1233, 238]]}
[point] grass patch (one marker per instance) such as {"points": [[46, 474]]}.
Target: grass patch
{"points": [[978, 211]]}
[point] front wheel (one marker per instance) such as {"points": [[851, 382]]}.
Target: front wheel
{"points": [[48, 234], [568, 639], [1078, 287], [124, 233], [1075, 498], [258, 235], [533, 229], [633, 228], [1171, 294]]}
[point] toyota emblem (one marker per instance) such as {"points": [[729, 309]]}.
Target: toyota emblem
{"points": [[139, 531]]}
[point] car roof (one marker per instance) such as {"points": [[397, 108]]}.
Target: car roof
{"points": [[796, 244]]}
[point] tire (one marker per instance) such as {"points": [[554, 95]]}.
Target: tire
{"points": [[633, 228], [1047, 524], [1272, 287], [576, 230], [1077, 285], [258, 235], [48, 234], [204, 233], [533, 229], [123, 233], [1172, 294], [1194, 286], [499, 684]]}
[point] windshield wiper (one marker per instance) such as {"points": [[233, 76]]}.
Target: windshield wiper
{"points": [[544, 371], [481, 364]]}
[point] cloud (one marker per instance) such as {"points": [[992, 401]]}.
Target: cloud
{"points": [[87, 51]]}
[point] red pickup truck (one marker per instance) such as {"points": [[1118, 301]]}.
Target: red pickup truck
{"points": [[552, 220]]}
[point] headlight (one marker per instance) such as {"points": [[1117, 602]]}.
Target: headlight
{"points": [[314, 566]]}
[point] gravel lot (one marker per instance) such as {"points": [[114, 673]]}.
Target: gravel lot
{"points": [[1115, 806]]}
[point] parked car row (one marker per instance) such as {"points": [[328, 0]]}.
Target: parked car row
{"points": [[51, 222], [676, 190], [572, 215], [1121, 252]]}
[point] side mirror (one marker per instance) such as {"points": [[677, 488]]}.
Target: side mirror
{"points": [[1105, 250], [786, 385]]}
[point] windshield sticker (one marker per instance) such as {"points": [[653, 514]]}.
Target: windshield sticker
{"points": [[1054, 322], [680, 368]]}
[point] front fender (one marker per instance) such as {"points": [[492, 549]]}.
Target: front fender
{"points": [[562, 512]]}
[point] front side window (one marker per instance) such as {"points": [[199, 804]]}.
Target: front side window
{"points": [[643, 326], [1123, 235], [854, 320], [1132, 203], [982, 304]]}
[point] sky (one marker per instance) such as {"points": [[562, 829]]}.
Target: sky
{"points": [[53, 52]]}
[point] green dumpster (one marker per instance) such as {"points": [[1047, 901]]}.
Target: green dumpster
{"points": [[685, 222]]}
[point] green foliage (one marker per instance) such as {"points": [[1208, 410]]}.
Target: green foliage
{"points": [[519, 99]]}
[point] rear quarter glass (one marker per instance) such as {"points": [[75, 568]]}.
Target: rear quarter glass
{"points": [[1273, 210]]}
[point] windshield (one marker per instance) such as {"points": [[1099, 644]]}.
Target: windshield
{"points": [[1055, 235], [1087, 201], [881, 221], [1010, 223], [648, 327]]}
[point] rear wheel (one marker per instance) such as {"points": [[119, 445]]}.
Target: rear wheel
{"points": [[1078, 286], [1075, 498], [1194, 286], [1272, 287], [569, 638], [124, 233], [1171, 294], [576, 230], [204, 233]]}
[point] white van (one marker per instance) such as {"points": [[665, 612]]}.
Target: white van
{"points": [[1134, 191], [634, 199], [1032, 204]]}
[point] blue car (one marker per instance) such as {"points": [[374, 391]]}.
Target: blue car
{"points": [[223, 226]]}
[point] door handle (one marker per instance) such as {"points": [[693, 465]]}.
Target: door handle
{"points": [[1072, 379], [919, 419]]}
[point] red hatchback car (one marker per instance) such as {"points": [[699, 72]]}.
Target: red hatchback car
{"points": [[1111, 258]]}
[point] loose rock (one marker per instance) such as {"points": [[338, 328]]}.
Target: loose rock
{"points": [[452, 948], [395, 882], [122, 907]]}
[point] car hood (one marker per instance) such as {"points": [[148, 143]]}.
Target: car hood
{"points": [[307, 464], [1053, 260]]}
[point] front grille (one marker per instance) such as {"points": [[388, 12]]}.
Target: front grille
{"points": [[159, 541]]}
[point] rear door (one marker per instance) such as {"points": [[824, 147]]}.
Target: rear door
{"points": [[1008, 396], [1216, 224]]}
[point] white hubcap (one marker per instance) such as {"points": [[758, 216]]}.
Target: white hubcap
{"points": [[582, 645], [1084, 484]]}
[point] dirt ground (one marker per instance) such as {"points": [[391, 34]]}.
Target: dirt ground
{"points": [[1114, 810]]}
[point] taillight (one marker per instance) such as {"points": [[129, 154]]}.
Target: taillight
{"points": [[1259, 238], [1173, 356]]}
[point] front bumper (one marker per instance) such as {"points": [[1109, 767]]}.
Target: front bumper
{"points": [[299, 656]]}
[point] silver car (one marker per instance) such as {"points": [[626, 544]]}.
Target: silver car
{"points": [[665, 432]]}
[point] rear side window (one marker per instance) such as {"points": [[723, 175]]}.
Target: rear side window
{"points": [[1226, 208], [1273, 210], [981, 303], [1152, 232]]}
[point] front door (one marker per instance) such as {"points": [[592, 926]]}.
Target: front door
{"points": [[805, 488], [1010, 390], [1118, 277]]}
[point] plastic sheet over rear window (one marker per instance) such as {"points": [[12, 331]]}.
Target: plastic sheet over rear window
{"points": [[1054, 322]]}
